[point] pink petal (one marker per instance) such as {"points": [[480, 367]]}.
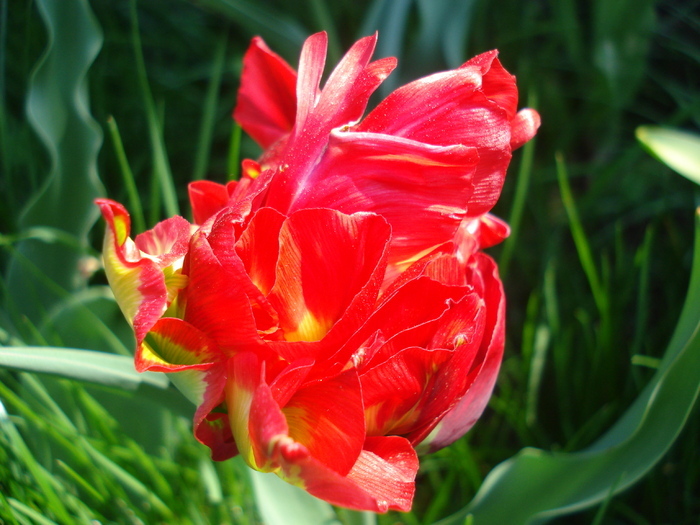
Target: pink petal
{"points": [[166, 242], [523, 127]]}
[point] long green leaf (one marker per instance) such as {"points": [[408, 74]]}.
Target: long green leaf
{"points": [[85, 365], [58, 110], [535, 486], [678, 149], [280, 503]]}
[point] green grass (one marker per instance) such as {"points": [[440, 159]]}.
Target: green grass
{"points": [[596, 270]]}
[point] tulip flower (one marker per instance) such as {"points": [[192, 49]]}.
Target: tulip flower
{"points": [[332, 312]]}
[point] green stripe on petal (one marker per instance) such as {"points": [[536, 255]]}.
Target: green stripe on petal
{"points": [[192, 383], [173, 345]]}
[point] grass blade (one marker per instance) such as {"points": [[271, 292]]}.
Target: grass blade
{"points": [[206, 129], [161, 165]]}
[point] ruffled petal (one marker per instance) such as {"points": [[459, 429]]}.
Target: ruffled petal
{"points": [[329, 272], [523, 127], [485, 366], [138, 280], [217, 300], [367, 171], [207, 198], [382, 470], [266, 105], [496, 84], [451, 108]]}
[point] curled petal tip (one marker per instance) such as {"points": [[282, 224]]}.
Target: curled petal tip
{"points": [[523, 127]]}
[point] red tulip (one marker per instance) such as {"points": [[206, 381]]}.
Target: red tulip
{"points": [[332, 310]]}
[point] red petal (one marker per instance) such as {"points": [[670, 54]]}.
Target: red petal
{"points": [[450, 108], [486, 364], [330, 268], [476, 234], [368, 172], [497, 84], [258, 247], [395, 390], [216, 297], [212, 428], [167, 241], [327, 418], [206, 198], [173, 345], [311, 64], [409, 308], [381, 479], [347, 91], [341, 103], [387, 470], [266, 105], [138, 282]]}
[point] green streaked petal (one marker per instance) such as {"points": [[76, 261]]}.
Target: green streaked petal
{"points": [[173, 345]]}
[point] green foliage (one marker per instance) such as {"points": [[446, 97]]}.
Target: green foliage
{"points": [[596, 269], [58, 109]]}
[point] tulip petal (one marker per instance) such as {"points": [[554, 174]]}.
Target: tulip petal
{"points": [[381, 478], [330, 426], [451, 108], [497, 84], [258, 247], [330, 269], [347, 91], [523, 127], [173, 345], [486, 364], [207, 198], [266, 105], [395, 390], [311, 65], [138, 280], [211, 426], [366, 171], [228, 304], [387, 469]]}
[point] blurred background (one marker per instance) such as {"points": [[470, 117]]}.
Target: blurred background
{"points": [[589, 314]]}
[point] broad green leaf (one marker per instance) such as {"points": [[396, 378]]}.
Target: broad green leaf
{"points": [[535, 485], [58, 110], [679, 150], [85, 365], [280, 503]]}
